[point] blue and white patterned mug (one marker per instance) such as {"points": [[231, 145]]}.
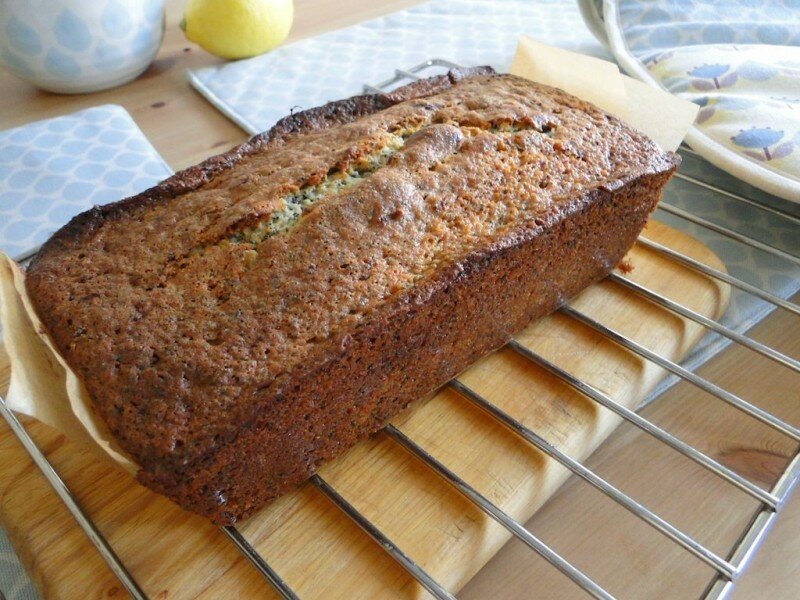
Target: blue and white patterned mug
{"points": [[76, 46]]}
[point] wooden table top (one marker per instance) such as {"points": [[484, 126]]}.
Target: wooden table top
{"points": [[185, 129]]}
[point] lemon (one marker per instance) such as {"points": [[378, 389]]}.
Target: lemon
{"points": [[237, 28]]}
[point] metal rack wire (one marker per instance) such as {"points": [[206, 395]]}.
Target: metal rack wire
{"points": [[727, 568]]}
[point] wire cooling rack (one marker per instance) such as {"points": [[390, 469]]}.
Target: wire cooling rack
{"points": [[726, 567]]}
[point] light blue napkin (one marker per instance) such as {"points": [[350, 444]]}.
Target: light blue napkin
{"points": [[54, 169]]}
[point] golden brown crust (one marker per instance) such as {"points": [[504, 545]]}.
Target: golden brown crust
{"points": [[230, 364]]}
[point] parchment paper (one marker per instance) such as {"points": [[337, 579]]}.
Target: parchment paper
{"points": [[662, 116], [44, 387]]}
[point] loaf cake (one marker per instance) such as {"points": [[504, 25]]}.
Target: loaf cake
{"points": [[258, 314]]}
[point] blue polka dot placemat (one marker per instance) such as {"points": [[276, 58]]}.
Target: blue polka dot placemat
{"points": [[54, 169]]}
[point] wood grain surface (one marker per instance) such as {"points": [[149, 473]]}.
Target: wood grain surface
{"points": [[156, 539]]}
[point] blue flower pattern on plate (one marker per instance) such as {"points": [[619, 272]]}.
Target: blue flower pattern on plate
{"points": [[748, 101], [763, 138], [712, 76]]}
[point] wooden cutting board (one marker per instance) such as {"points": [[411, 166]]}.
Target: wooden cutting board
{"points": [[319, 552]]}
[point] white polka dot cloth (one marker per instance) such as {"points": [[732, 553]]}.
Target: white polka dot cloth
{"points": [[54, 169]]}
